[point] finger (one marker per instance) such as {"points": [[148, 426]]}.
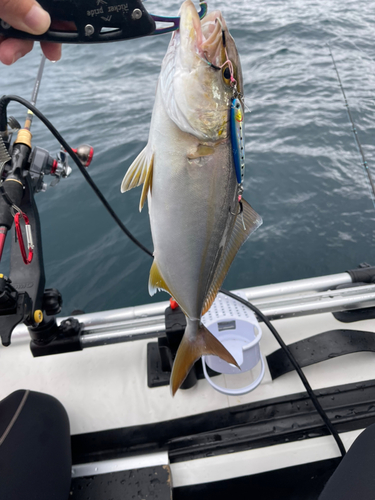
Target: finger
{"points": [[57, 24], [25, 15], [52, 51], [11, 50]]}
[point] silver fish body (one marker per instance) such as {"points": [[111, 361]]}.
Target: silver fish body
{"points": [[191, 213], [188, 174]]}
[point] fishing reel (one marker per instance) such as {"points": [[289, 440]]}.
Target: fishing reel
{"points": [[42, 164]]}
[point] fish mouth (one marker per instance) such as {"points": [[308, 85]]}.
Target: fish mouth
{"points": [[204, 37], [214, 32]]}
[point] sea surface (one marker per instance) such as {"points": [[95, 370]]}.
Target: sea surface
{"points": [[304, 174]]}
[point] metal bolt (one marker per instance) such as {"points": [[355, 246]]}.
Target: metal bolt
{"points": [[5, 25], [89, 29], [136, 14]]}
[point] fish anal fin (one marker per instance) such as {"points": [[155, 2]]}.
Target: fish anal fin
{"points": [[147, 184], [156, 281], [246, 223], [137, 172], [194, 344]]}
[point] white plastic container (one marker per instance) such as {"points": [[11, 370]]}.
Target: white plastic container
{"points": [[237, 328]]}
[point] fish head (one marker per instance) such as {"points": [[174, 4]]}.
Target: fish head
{"points": [[201, 74]]}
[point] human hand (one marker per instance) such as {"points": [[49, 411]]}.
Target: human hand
{"points": [[25, 15]]}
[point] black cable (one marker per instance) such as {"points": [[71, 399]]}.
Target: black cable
{"points": [[4, 101], [296, 366]]}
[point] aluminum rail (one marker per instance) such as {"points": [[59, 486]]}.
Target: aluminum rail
{"points": [[118, 316], [330, 301], [143, 314], [298, 286], [323, 302], [282, 300]]}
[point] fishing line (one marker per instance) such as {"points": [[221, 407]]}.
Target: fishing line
{"points": [[354, 130], [4, 101], [245, 105], [296, 366]]}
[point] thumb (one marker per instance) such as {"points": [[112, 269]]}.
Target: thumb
{"points": [[25, 15]]}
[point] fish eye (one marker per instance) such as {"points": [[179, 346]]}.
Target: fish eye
{"points": [[226, 73]]}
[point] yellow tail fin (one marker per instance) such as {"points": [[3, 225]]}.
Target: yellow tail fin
{"points": [[197, 340]]}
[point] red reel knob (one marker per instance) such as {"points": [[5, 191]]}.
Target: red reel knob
{"points": [[85, 153]]}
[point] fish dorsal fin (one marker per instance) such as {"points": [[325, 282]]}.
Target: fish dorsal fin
{"points": [[156, 281], [246, 223]]}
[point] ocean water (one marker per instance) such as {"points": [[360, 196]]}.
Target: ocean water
{"points": [[303, 170]]}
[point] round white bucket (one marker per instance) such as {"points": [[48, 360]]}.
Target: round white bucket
{"points": [[237, 328]]}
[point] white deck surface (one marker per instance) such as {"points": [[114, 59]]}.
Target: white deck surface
{"points": [[106, 387]]}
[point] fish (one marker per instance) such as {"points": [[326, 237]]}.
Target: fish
{"points": [[192, 174]]}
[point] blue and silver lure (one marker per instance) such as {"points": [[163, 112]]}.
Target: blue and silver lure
{"points": [[237, 138], [238, 147]]}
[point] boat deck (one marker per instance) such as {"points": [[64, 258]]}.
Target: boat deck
{"points": [[104, 390]]}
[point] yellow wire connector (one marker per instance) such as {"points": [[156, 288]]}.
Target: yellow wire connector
{"points": [[38, 316]]}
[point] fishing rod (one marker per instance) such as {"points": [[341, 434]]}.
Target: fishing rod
{"points": [[354, 130], [34, 95]]}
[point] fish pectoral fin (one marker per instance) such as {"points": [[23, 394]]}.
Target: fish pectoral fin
{"points": [[147, 184], [200, 151], [193, 345], [139, 170], [246, 223], [156, 281]]}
